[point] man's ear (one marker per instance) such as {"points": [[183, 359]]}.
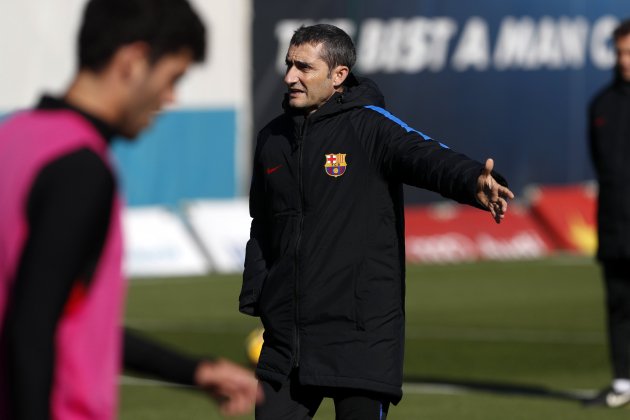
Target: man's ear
{"points": [[339, 75], [130, 62]]}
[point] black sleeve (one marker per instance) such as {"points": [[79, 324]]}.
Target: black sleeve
{"points": [[150, 358], [68, 214], [256, 250], [426, 163], [592, 137]]}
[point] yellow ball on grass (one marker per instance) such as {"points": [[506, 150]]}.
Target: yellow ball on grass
{"points": [[253, 345]]}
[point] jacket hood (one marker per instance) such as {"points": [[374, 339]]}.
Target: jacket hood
{"points": [[358, 92]]}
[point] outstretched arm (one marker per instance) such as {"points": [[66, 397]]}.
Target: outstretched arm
{"points": [[412, 157], [233, 387], [492, 195], [416, 159]]}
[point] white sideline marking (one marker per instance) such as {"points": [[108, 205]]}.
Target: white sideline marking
{"points": [[209, 326], [507, 335], [434, 389], [144, 281], [408, 388], [134, 381], [449, 389], [493, 335]]}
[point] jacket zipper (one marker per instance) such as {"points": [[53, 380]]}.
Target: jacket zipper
{"points": [[296, 362]]}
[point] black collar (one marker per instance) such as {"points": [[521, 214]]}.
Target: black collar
{"points": [[51, 103], [624, 87]]}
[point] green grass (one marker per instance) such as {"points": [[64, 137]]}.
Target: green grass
{"points": [[508, 338]]}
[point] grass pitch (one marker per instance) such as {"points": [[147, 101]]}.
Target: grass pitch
{"points": [[499, 340]]}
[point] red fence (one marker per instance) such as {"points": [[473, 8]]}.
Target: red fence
{"points": [[558, 218]]}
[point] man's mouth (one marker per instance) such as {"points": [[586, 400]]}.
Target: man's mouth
{"points": [[295, 92]]}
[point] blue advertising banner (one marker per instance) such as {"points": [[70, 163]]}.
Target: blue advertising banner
{"points": [[509, 80]]}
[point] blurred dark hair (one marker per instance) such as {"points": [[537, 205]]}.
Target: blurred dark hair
{"points": [[167, 26], [338, 49], [622, 30]]}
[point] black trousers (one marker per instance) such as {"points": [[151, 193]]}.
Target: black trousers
{"points": [[617, 282], [292, 401]]}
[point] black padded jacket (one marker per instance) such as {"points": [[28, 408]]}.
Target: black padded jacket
{"points": [[325, 263]]}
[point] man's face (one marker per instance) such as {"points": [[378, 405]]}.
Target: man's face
{"points": [[622, 48], [307, 77], [151, 89]]}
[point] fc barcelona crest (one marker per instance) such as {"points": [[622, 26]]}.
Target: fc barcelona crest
{"points": [[336, 164]]}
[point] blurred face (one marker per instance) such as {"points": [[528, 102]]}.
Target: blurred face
{"points": [[307, 78], [151, 88], [622, 48]]}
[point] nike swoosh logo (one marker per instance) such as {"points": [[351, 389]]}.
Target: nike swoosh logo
{"points": [[274, 169]]}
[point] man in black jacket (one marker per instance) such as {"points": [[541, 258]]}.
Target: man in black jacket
{"points": [[610, 150], [325, 262]]}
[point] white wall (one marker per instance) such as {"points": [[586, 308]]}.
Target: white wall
{"points": [[38, 49], [37, 52]]}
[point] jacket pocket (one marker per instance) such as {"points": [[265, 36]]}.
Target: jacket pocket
{"points": [[254, 277], [250, 295], [359, 315]]}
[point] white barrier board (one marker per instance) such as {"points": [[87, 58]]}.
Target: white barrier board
{"points": [[222, 226], [158, 244]]}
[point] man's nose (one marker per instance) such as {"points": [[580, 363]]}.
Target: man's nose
{"points": [[290, 76]]}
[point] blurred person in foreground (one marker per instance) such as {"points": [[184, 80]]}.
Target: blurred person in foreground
{"points": [[609, 120], [325, 263], [61, 286]]}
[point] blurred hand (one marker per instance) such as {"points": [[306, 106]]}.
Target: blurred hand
{"points": [[234, 388], [491, 194]]}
